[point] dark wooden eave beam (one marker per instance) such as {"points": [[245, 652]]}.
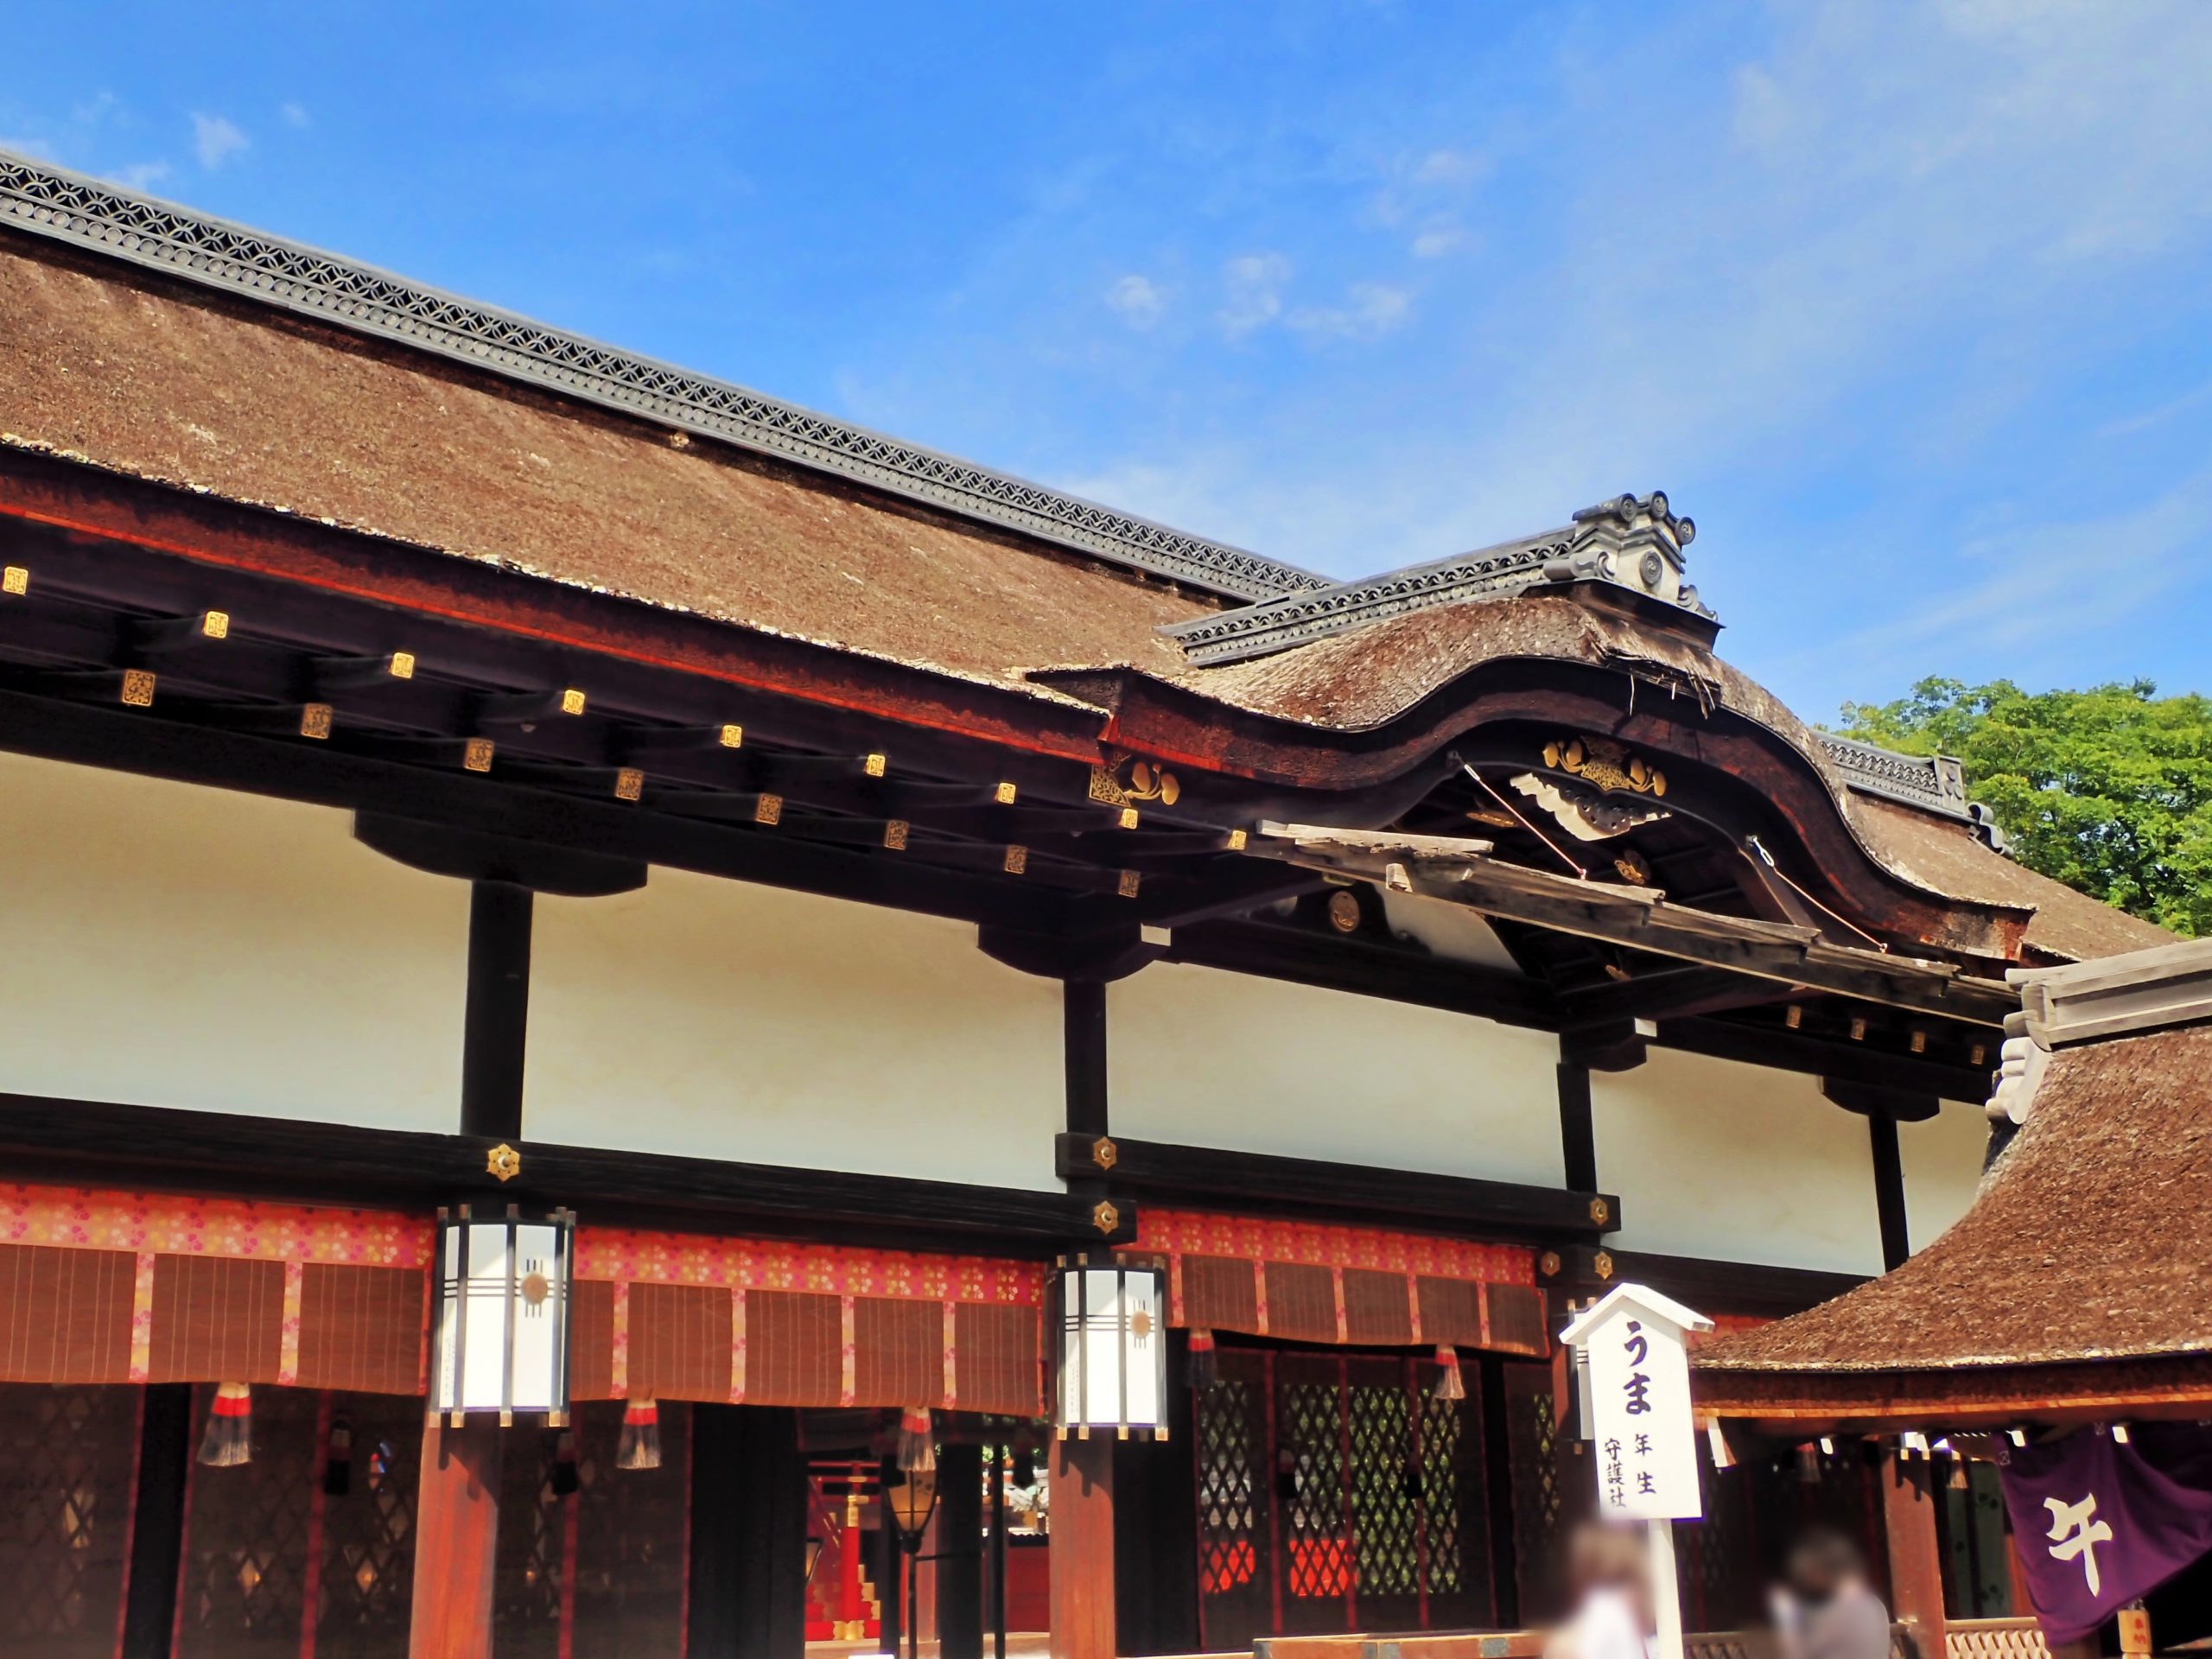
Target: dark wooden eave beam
{"points": [[1255, 1181], [1463, 873], [1710, 1286], [221, 1153]]}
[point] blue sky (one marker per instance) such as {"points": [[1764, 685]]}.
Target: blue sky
{"points": [[1907, 304]]}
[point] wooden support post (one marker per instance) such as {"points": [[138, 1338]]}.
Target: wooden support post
{"points": [[998, 1552], [1888, 1191], [891, 1567], [1908, 1503], [456, 1540], [1083, 1026], [1577, 1136], [496, 1027], [749, 1535], [1082, 1550], [157, 1520], [960, 1553]]}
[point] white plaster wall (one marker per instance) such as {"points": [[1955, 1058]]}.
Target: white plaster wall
{"points": [[171, 946], [1210, 1059], [719, 1020], [1942, 1166], [1735, 1163]]}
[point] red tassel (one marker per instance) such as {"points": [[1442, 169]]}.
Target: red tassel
{"points": [[916, 1444], [1450, 1385], [1206, 1364], [229, 1439], [640, 1445]]}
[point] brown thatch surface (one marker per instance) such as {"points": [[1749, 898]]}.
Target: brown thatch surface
{"points": [[2092, 1238], [166, 383], [1945, 856]]}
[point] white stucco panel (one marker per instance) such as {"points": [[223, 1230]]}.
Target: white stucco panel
{"points": [[716, 1019], [1942, 1166], [170, 946], [1203, 1058], [1735, 1163]]}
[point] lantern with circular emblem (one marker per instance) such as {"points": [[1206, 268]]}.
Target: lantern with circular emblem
{"points": [[1113, 1349], [499, 1342]]}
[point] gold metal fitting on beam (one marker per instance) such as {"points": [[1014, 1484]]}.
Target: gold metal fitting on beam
{"points": [[629, 783], [1104, 1152], [1128, 884], [1600, 1211], [14, 580], [732, 735], [1129, 817], [402, 664], [1920, 1042], [1017, 860], [138, 688], [216, 625], [894, 834], [1003, 794], [572, 702], [314, 719], [503, 1161], [476, 754], [1793, 1016], [769, 808], [1859, 1031], [875, 764], [1104, 1217], [1236, 841]]}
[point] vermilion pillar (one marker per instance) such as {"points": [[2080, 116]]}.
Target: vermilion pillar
{"points": [[1082, 1550], [456, 1541], [1908, 1498]]}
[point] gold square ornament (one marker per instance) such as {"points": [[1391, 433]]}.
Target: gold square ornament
{"points": [[476, 754], [875, 764], [894, 834], [402, 664], [1236, 840], [629, 783], [1003, 795], [1128, 884], [314, 719], [769, 808], [216, 625], [572, 702], [732, 735], [1129, 817], [14, 580], [1017, 860], [138, 688]]}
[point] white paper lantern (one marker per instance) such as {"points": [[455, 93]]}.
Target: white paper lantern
{"points": [[501, 1339], [1113, 1352]]}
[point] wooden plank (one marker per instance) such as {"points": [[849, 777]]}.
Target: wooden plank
{"points": [[1417, 1198], [1888, 1191], [179, 1150], [496, 1018], [1082, 1550], [1745, 1287], [1578, 1132], [456, 1540]]}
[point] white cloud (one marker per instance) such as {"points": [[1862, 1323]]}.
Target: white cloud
{"points": [[215, 139], [1452, 166], [142, 175], [1371, 310], [1253, 285], [1138, 299], [1437, 241], [37, 148], [294, 114]]}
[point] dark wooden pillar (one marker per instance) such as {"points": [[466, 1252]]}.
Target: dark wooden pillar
{"points": [[749, 1533], [456, 1540], [960, 1552], [1888, 1191], [1578, 1135], [998, 1552], [157, 1520], [1497, 1492], [1156, 1526], [498, 1020], [889, 1567], [1908, 1501], [1082, 1550], [1084, 1025]]}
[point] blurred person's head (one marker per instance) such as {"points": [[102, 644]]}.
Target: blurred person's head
{"points": [[1600, 1557], [1822, 1563]]}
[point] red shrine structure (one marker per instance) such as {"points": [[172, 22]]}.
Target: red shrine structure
{"points": [[612, 982]]}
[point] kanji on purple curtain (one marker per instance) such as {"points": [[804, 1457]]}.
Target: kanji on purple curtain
{"points": [[2100, 1522]]}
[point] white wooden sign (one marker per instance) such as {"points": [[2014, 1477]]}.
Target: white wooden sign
{"points": [[1642, 1438]]}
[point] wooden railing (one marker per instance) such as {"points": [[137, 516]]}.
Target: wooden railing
{"points": [[1997, 1638]]}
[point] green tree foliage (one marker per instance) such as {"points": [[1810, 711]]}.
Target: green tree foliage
{"points": [[2108, 790]]}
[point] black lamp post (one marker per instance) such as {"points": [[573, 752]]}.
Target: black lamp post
{"points": [[910, 1498]]}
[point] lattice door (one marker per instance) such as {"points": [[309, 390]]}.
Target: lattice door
{"points": [[633, 1526], [1552, 1490], [367, 1588], [1234, 1497], [67, 1456], [244, 1585], [527, 1579]]}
